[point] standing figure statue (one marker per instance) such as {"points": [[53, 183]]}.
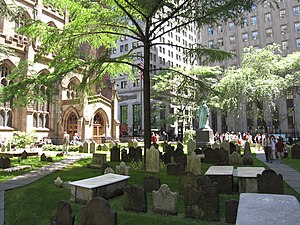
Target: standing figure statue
{"points": [[203, 116]]}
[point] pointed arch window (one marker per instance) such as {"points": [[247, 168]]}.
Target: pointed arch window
{"points": [[5, 108], [72, 90]]}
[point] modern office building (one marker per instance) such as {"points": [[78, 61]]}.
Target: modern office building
{"points": [[263, 26], [93, 116]]}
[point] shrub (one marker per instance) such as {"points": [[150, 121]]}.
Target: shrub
{"points": [[51, 148], [189, 134], [23, 139]]}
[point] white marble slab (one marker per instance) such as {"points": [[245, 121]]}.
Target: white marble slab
{"points": [[99, 181], [249, 172], [220, 170], [268, 209]]}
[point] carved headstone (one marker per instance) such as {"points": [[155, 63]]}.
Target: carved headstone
{"points": [[108, 170], [247, 149], [231, 208], [4, 163], [235, 159], [98, 160], [24, 155], [221, 157], [191, 146], [49, 159], [58, 182], [103, 167], [186, 181], [269, 182], [93, 147], [43, 157], [225, 145], [86, 147], [165, 201], [115, 154], [3, 148], [151, 183], [175, 169], [180, 157], [135, 198], [124, 155], [135, 154], [152, 160], [80, 149], [98, 212], [296, 151], [210, 155], [122, 169], [62, 215], [248, 160], [194, 164], [202, 200]]}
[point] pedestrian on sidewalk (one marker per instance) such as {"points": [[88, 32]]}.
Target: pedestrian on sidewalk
{"points": [[66, 142], [266, 142], [279, 148], [273, 147]]}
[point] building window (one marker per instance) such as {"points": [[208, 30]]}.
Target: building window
{"points": [[136, 83], [268, 17], [296, 10], [298, 43], [297, 26], [245, 37], [282, 13], [283, 29], [219, 29], [285, 45], [269, 32], [254, 7], [137, 121], [210, 31], [123, 84], [121, 48], [254, 35], [126, 47], [72, 90], [5, 110], [231, 25], [254, 20], [220, 42], [124, 114], [244, 22], [232, 39], [211, 44]]}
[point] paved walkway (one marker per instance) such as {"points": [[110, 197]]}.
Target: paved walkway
{"points": [[290, 176], [33, 176]]}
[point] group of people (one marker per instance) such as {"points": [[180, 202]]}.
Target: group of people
{"points": [[272, 147]]}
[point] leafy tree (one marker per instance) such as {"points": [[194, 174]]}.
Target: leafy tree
{"points": [[99, 26], [186, 89], [256, 82]]}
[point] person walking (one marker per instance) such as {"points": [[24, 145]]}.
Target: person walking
{"points": [[66, 142], [266, 142], [273, 147], [279, 148]]}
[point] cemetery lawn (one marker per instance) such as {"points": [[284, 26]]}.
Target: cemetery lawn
{"points": [[33, 161], [33, 204]]}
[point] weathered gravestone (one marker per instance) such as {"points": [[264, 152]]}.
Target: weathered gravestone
{"points": [[62, 215], [166, 158], [235, 159], [135, 198], [49, 159], [202, 200], [248, 160], [191, 146], [108, 170], [98, 160], [24, 155], [98, 212], [175, 169], [194, 164], [170, 150], [58, 182], [247, 149], [43, 157], [3, 148], [103, 167], [180, 157], [122, 169], [269, 182], [210, 155], [135, 154], [296, 151], [165, 201], [221, 156], [86, 147], [225, 145], [80, 149], [4, 163], [124, 155], [186, 181], [151, 183], [231, 208], [215, 145], [152, 160], [93, 147], [115, 154]]}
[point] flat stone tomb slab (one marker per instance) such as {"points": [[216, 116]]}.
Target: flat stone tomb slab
{"points": [[223, 175], [268, 209], [247, 178], [105, 186]]}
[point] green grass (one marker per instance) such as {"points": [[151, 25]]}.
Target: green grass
{"points": [[34, 161], [33, 204]]}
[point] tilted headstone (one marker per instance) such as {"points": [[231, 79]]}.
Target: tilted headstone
{"points": [[194, 164], [43, 157], [221, 157], [296, 151], [235, 159], [225, 145], [247, 149], [165, 201], [135, 198], [86, 147], [62, 215], [152, 160], [269, 182], [151, 183], [231, 208], [93, 147], [191, 146], [98, 212], [98, 160], [175, 169], [248, 160], [215, 145], [115, 154], [210, 155], [108, 170], [124, 155], [58, 182], [5, 163], [202, 200], [122, 169]]}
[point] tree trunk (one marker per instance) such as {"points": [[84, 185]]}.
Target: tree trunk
{"points": [[259, 106]]}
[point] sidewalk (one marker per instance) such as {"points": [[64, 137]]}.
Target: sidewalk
{"points": [[290, 176], [33, 176]]}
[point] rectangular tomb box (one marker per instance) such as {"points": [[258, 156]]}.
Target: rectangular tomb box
{"points": [[223, 175], [247, 178], [106, 186]]}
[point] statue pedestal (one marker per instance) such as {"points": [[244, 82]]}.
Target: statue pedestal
{"points": [[204, 136]]}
